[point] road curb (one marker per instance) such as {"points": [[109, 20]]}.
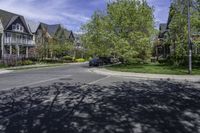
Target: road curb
{"points": [[5, 71], [103, 71]]}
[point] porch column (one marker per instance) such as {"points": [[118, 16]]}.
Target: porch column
{"points": [[26, 52], [18, 50], [10, 49], [2, 46]]}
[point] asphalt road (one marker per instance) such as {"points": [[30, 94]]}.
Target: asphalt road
{"points": [[45, 76], [73, 99], [69, 73], [73, 73]]}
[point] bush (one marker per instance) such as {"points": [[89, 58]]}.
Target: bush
{"points": [[162, 61], [68, 58], [80, 60], [2, 65], [196, 60], [27, 62], [52, 61], [24, 62], [130, 61]]}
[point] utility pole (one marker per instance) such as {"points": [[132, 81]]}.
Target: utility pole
{"points": [[189, 41]]}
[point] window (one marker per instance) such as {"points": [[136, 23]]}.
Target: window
{"points": [[22, 28], [18, 26], [25, 37], [13, 27], [8, 34]]}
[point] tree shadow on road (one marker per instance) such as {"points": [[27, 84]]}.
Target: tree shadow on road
{"points": [[128, 107]]}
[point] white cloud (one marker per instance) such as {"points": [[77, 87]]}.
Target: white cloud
{"points": [[71, 13], [48, 11]]}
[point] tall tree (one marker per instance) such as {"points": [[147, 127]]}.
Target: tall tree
{"points": [[178, 30], [124, 30]]}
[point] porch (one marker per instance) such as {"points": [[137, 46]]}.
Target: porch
{"points": [[17, 51]]}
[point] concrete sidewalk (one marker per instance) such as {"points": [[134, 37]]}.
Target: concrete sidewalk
{"points": [[103, 71], [3, 71]]}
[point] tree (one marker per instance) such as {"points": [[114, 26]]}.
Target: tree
{"points": [[178, 32], [60, 48], [124, 30]]}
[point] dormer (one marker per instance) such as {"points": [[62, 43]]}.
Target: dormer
{"points": [[17, 27]]}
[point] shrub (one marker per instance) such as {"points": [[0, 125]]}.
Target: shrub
{"points": [[27, 62], [130, 61], [52, 61], [2, 65], [196, 60], [80, 60], [162, 61], [68, 58]]}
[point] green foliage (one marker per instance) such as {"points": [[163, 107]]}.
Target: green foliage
{"points": [[27, 62], [196, 61], [80, 60], [154, 69], [68, 58], [52, 61], [124, 31], [2, 65], [58, 49], [177, 36]]}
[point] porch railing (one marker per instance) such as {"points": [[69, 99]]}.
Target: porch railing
{"points": [[11, 40]]}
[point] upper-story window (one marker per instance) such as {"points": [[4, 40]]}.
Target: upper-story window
{"points": [[17, 27], [13, 27], [8, 34]]}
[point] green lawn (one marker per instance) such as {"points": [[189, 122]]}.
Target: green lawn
{"points": [[2, 66], [154, 69]]}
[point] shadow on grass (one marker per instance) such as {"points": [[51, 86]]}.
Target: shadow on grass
{"points": [[129, 107]]}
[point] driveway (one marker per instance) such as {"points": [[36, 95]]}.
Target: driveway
{"points": [[71, 99]]}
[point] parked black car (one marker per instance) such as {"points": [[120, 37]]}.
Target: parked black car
{"points": [[100, 61], [96, 62], [106, 60]]}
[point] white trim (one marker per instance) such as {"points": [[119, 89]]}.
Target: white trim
{"points": [[2, 46]]}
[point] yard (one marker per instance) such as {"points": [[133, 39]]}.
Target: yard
{"points": [[153, 69]]}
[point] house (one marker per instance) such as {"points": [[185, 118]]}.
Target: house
{"points": [[16, 38], [45, 34], [161, 50], [79, 50], [55, 32], [1, 38]]}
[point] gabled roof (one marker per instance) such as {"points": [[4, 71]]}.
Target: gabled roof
{"points": [[163, 27], [67, 33], [56, 30], [52, 29], [8, 18], [33, 26]]}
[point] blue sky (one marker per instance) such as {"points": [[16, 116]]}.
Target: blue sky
{"points": [[71, 13]]}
